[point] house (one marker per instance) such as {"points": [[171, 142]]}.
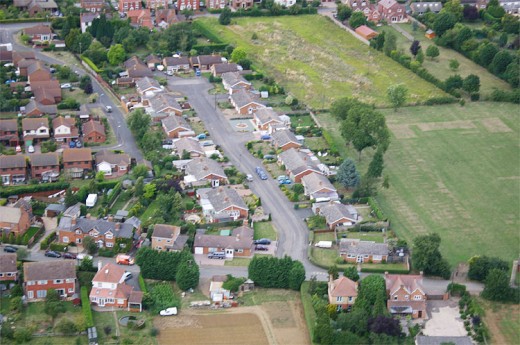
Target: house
{"points": [[15, 219], [177, 64], [392, 11], [148, 85], [104, 232], [216, 292], [6, 53], [112, 164], [168, 238], [176, 127], [65, 129], [205, 62], [13, 169], [263, 118], [203, 170], [152, 61], [139, 70], [9, 132], [240, 243], [189, 145], [164, 104], [35, 129], [77, 161], [18, 56], [406, 295], [45, 166], [23, 65], [188, 5], [244, 102], [216, 4], [8, 270], [218, 69], [319, 187], [164, 18], [37, 71], [125, 82], [285, 139], [439, 340], [47, 92], [337, 214], [133, 61], [366, 32], [40, 277], [357, 251], [141, 17], [39, 34], [156, 4], [93, 132], [342, 292], [223, 204], [109, 290], [34, 7], [510, 6], [298, 164], [421, 8], [94, 6], [129, 5], [33, 109], [241, 4], [233, 81]]}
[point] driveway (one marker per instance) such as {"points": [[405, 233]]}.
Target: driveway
{"points": [[444, 319]]}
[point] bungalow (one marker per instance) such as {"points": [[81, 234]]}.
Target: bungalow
{"points": [[18, 56], [188, 145], [92, 5], [357, 251], [109, 290], [77, 161], [233, 81], [165, 104], [241, 4], [421, 8], [187, 4], [244, 103], [164, 18], [112, 164], [8, 270], [33, 109], [298, 164], [216, 4], [177, 64], [40, 32], [65, 129], [45, 166], [176, 127], [223, 204], [218, 69], [35, 129], [285, 139], [406, 295], [240, 243], [152, 61], [318, 187], [203, 170], [15, 219], [13, 169], [168, 238], [132, 62], [46, 92], [139, 71], [263, 118], [23, 65], [336, 214], [148, 85], [93, 132], [9, 132], [40, 277], [342, 292], [205, 62]]}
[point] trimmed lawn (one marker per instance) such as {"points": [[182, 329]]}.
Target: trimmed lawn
{"points": [[264, 230], [316, 144], [325, 257], [262, 295], [324, 236], [368, 236], [396, 266], [149, 211], [317, 61], [301, 121], [456, 171], [238, 262]]}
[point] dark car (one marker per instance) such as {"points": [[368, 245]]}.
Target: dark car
{"points": [[10, 249], [52, 254], [264, 241], [261, 248], [69, 256]]}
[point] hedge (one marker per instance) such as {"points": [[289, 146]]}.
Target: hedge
{"points": [[204, 31], [142, 284], [332, 144], [85, 306], [57, 247], [105, 252], [268, 13], [106, 185], [377, 210], [382, 270], [254, 76], [212, 47], [440, 100], [113, 195], [44, 244], [29, 189], [23, 20], [91, 64]]}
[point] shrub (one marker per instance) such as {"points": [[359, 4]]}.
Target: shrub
{"points": [[57, 247], [106, 252], [85, 305], [31, 189]]}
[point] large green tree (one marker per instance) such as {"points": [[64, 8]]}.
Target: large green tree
{"points": [[116, 54], [443, 22], [347, 174], [225, 16], [427, 257], [357, 19], [480, 266], [432, 51], [496, 286], [471, 83], [375, 168], [53, 306], [187, 276], [139, 122]]}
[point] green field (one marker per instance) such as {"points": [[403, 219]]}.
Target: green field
{"points": [[456, 171], [317, 61]]}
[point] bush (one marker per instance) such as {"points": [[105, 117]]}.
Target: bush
{"points": [[142, 284], [456, 289], [378, 212], [44, 244], [85, 307], [31, 189], [57, 247], [106, 252], [365, 269]]}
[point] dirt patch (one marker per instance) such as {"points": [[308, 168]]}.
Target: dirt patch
{"points": [[495, 125], [402, 131], [435, 126], [503, 322]]}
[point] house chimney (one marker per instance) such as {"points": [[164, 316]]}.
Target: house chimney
{"points": [[237, 237], [87, 216], [99, 265], [110, 218], [117, 226], [73, 220]]}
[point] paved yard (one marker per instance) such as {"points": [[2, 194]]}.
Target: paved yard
{"points": [[444, 319]]}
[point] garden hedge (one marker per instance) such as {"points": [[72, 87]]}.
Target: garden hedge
{"points": [[377, 210], [28, 189], [383, 270], [85, 306], [57, 247], [22, 20], [91, 64]]}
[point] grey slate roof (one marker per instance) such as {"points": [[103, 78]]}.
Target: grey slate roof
{"points": [[266, 115], [242, 98], [241, 238], [188, 145], [358, 247], [49, 270], [102, 226], [46, 109], [113, 158], [146, 83], [134, 221], [8, 262], [314, 182], [284, 137], [73, 211], [44, 159], [165, 231], [427, 340], [8, 125], [335, 211], [297, 162], [222, 198], [423, 6], [55, 207], [225, 67], [12, 162], [34, 123], [202, 167], [173, 122], [233, 78], [163, 101], [207, 59], [176, 61]]}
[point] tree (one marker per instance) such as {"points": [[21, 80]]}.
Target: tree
{"points": [[100, 176], [70, 199], [90, 245], [415, 47], [140, 170], [512, 74], [397, 95], [139, 187], [187, 276], [375, 168], [149, 190], [347, 174], [427, 257], [233, 284], [454, 64], [378, 42], [296, 275], [420, 56], [187, 13], [471, 83], [238, 54], [502, 40], [390, 42], [510, 24], [139, 122], [443, 22], [494, 9], [116, 54], [454, 7], [67, 327], [357, 19], [225, 16], [87, 264], [369, 289], [432, 51], [500, 62], [387, 325], [470, 13], [53, 305], [496, 286], [486, 53], [343, 12], [22, 253], [351, 273], [453, 82], [480, 266]]}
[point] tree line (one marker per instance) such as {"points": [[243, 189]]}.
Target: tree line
{"points": [[271, 272]]}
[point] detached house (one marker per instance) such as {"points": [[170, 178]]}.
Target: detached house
{"points": [[298, 164], [9, 132], [233, 81], [218, 69], [38, 72], [168, 238], [112, 164], [13, 169], [35, 109], [285, 139], [162, 105], [205, 62], [40, 277], [45, 166], [240, 243], [8, 270], [337, 214], [15, 219], [264, 118], [148, 85], [93, 132], [392, 11], [164, 18], [177, 64], [139, 18], [342, 292], [77, 161], [357, 251], [201, 171], [176, 127], [65, 129], [35, 130], [244, 102], [406, 295], [223, 204], [152, 61], [46, 92], [40, 33], [319, 187], [189, 145]]}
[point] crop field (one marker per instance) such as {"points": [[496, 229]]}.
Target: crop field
{"points": [[456, 171], [317, 61]]}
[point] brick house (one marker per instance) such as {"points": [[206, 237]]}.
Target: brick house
{"points": [[148, 85], [39, 33], [284, 140], [15, 219], [203, 171], [189, 145], [176, 127], [40, 277], [223, 204], [188, 5], [45, 166], [36, 6], [163, 19], [38, 72], [265, 117], [162, 104], [337, 214], [205, 62], [93, 132], [8, 270], [13, 169], [94, 6], [239, 244], [156, 4], [392, 11], [9, 132], [216, 4], [406, 295], [35, 109], [35, 129], [177, 64], [141, 17], [153, 61], [168, 238], [241, 4], [244, 102], [77, 161], [65, 129], [357, 251], [342, 292], [218, 69], [129, 5], [47, 92], [298, 164], [112, 164], [319, 187], [233, 81]]}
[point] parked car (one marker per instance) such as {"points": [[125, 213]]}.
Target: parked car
{"points": [[69, 256], [30, 149], [265, 137], [217, 255], [269, 157], [18, 149], [66, 86], [286, 181], [10, 249], [78, 144], [249, 178], [263, 176], [261, 248], [197, 72], [168, 311], [264, 241], [84, 256], [72, 144], [127, 276], [108, 109], [52, 254]]}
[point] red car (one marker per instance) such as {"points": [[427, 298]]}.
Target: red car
{"points": [[69, 256]]}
